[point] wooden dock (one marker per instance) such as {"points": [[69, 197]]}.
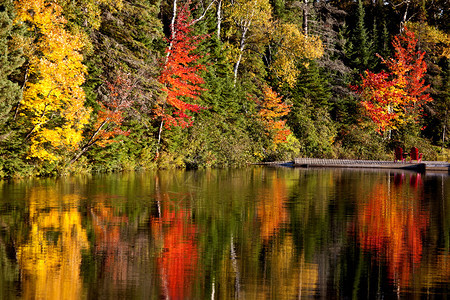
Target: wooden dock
{"points": [[371, 164]]}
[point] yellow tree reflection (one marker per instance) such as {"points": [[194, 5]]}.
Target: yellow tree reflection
{"points": [[296, 278], [392, 224], [287, 275], [50, 257]]}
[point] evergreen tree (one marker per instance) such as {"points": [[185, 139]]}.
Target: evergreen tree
{"points": [[310, 118], [313, 85], [279, 8], [438, 118], [11, 60], [359, 52], [444, 103], [380, 35], [383, 39], [131, 40], [12, 148]]}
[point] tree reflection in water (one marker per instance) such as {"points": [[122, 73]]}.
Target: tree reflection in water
{"points": [[392, 224], [294, 277], [176, 235], [250, 234], [50, 256], [272, 212], [109, 245]]}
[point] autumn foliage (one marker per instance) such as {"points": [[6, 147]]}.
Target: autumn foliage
{"points": [[180, 74], [53, 98], [292, 46], [111, 114], [272, 109], [397, 96]]}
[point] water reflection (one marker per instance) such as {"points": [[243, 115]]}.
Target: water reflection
{"points": [[175, 234], [272, 212], [256, 233], [111, 248], [392, 224], [49, 255]]}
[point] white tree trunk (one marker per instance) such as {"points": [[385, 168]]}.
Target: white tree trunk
{"points": [[219, 18]]}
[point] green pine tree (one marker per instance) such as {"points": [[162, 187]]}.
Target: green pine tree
{"points": [[358, 50], [438, 118], [11, 59], [383, 40], [444, 103], [313, 85], [379, 34], [12, 147], [310, 119]]}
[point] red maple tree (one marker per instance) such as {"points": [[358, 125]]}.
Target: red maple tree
{"points": [[110, 116], [180, 73], [395, 97]]}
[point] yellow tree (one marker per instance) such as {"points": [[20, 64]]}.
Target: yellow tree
{"points": [[431, 40], [249, 20], [252, 28], [289, 46], [53, 100]]}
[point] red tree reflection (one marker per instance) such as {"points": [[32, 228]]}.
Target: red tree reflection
{"points": [[176, 234], [391, 224]]}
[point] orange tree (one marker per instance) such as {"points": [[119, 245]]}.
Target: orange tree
{"points": [[397, 96], [271, 111]]}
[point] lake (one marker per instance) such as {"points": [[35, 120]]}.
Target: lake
{"points": [[253, 233]]}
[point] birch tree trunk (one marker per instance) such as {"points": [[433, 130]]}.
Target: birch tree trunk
{"points": [[305, 17], [241, 52], [444, 130], [219, 18], [403, 22]]}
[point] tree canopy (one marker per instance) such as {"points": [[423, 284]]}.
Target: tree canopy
{"points": [[117, 85]]}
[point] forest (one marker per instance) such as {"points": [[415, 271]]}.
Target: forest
{"points": [[114, 85]]}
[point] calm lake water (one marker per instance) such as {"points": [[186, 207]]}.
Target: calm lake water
{"points": [[254, 233]]}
